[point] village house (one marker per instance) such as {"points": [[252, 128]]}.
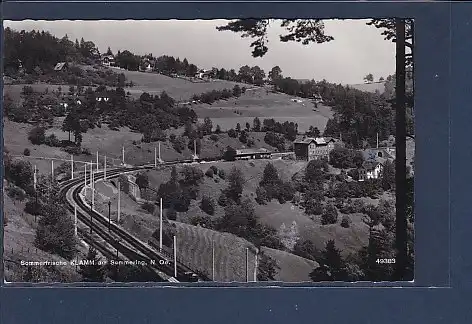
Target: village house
{"points": [[102, 96], [380, 154], [370, 170], [203, 74], [247, 154], [310, 148], [108, 60]]}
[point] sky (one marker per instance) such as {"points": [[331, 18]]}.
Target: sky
{"points": [[357, 49]]}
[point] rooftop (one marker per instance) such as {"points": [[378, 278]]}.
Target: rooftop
{"points": [[252, 151], [317, 140]]}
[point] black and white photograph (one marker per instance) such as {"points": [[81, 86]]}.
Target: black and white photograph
{"points": [[192, 151]]}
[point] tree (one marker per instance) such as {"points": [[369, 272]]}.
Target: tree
{"points": [[275, 74], [208, 205], [300, 30], [37, 135], [236, 182], [248, 127], [93, 272], [256, 125], [207, 126], [305, 248], [388, 175], [55, 232], [332, 266], [218, 129], [243, 138], [236, 91], [238, 127], [267, 268], [229, 154], [330, 215], [369, 78], [258, 75], [245, 74], [142, 180]]}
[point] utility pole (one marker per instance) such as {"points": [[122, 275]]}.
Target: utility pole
{"points": [[109, 215], [160, 159], [160, 226], [119, 202], [52, 171], [85, 178], [155, 157], [256, 260], [213, 260], [400, 148], [175, 256], [247, 264], [35, 179], [72, 166], [123, 155], [97, 162], [377, 140], [75, 220], [92, 184], [105, 169]]}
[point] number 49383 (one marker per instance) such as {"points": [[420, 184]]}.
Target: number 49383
{"points": [[385, 261]]}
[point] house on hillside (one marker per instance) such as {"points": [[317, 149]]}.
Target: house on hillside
{"points": [[201, 74], [311, 148], [380, 154], [108, 60], [248, 154], [61, 66], [317, 99], [370, 170], [102, 96]]}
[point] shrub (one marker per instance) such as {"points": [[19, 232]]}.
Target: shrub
{"points": [[26, 152], [330, 215], [149, 207], [208, 205], [214, 138], [346, 222], [229, 154], [16, 193], [37, 135], [171, 214], [215, 169], [232, 133], [222, 174], [209, 173], [33, 208], [223, 200]]}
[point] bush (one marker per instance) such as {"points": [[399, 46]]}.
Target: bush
{"points": [[171, 214], [229, 154], [215, 169], [223, 200], [330, 215], [346, 222], [37, 135], [26, 152], [52, 141], [208, 205], [232, 133], [33, 208], [16, 193], [209, 173], [222, 174], [214, 138], [149, 207]]}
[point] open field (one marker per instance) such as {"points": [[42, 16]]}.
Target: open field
{"points": [[194, 242], [179, 89], [264, 104]]}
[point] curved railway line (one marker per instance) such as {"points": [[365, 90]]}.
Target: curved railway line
{"points": [[131, 248]]}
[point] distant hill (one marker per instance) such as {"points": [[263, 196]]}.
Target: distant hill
{"points": [[369, 87]]}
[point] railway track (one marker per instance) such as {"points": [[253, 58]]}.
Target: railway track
{"points": [[129, 246]]}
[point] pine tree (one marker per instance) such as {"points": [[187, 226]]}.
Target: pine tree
{"points": [[332, 266], [93, 272]]}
